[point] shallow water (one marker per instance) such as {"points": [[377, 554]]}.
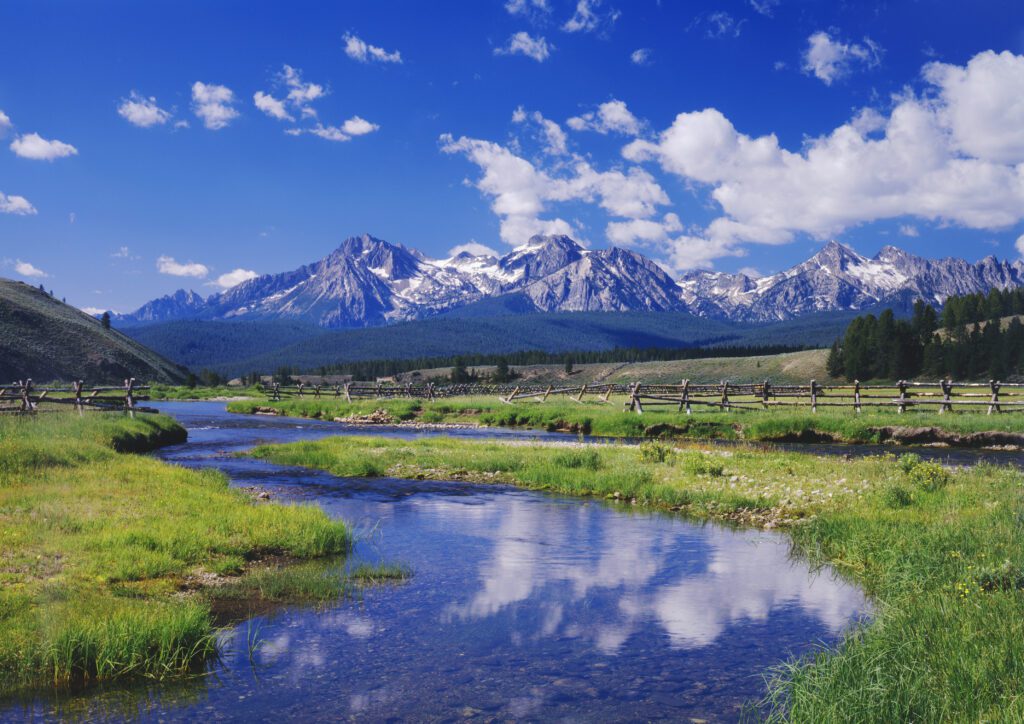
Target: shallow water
{"points": [[522, 606]]}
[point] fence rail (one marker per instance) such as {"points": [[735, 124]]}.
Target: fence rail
{"points": [[25, 397], [946, 395]]}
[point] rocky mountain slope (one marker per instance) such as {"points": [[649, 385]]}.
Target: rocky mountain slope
{"points": [[369, 282]]}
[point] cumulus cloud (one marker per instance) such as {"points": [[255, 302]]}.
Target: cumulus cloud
{"points": [[587, 18], [234, 278], [27, 270], [610, 117], [634, 231], [765, 7], [521, 192], [17, 205], [5, 124], [213, 104], [141, 111], [357, 49], [921, 160], [354, 126], [473, 247], [909, 230], [641, 56], [93, 311], [37, 148], [828, 59], [271, 106], [555, 141], [168, 265], [528, 8], [1019, 244], [522, 43]]}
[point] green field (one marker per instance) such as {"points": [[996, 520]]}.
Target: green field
{"points": [[941, 553], [594, 418], [104, 555]]}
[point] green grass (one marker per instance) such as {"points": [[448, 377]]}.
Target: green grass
{"points": [[594, 418], [96, 547], [181, 392], [940, 552]]}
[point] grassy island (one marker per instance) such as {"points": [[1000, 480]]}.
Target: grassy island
{"points": [[106, 557], [940, 552]]}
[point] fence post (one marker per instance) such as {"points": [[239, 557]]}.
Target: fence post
{"points": [[608, 393], [902, 385], [77, 387], [129, 396], [993, 405], [348, 392], [814, 395], [856, 396], [684, 396], [430, 391], [277, 391], [725, 395], [583, 391], [546, 393], [26, 395], [947, 390], [636, 396], [766, 389]]}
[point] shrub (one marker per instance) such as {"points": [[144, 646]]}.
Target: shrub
{"points": [[908, 462], [897, 496], [929, 476], [575, 459], [697, 463], [657, 452]]}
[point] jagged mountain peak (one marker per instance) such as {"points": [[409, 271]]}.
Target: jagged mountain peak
{"points": [[368, 281]]}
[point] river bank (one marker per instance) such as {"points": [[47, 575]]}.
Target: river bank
{"points": [[111, 561], [968, 430], [939, 551]]}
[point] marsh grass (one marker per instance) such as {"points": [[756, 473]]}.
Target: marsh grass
{"points": [[95, 546], [940, 552], [610, 420]]}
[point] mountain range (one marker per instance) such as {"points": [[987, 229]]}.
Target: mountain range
{"points": [[369, 282]]}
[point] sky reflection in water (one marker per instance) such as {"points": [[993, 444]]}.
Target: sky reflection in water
{"points": [[522, 606]]}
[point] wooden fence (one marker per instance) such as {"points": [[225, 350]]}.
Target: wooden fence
{"points": [[944, 395], [25, 397]]}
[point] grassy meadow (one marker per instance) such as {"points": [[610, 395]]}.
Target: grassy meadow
{"points": [[940, 552], [105, 556], [593, 418]]}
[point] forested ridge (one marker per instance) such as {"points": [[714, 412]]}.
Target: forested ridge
{"points": [[975, 336]]}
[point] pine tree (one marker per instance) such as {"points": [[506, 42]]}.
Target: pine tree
{"points": [[105, 320], [834, 364]]}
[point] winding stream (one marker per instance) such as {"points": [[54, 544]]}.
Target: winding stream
{"points": [[522, 606]]}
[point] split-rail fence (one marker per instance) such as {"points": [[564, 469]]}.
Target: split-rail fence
{"points": [[943, 396], [23, 396]]}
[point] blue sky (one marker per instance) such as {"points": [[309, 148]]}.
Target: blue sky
{"points": [[135, 158]]}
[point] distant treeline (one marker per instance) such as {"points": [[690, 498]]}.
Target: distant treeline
{"points": [[372, 369], [966, 341]]}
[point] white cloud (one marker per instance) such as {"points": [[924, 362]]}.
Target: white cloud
{"points": [[213, 104], [473, 247], [909, 230], [271, 106], [357, 49], [641, 56], [521, 192], [301, 94], [587, 19], [93, 311], [17, 205], [1019, 244], [718, 25], [983, 104], [141, 111], [5, 124], [37, 148], [612, 116], [522, 43], [628, 233], [765, 7], [526, 7], [829, 60], [913, 162], [27, 270], [555, 140], [180, 124], [124, 252], [167, 265], [354, 126], [234, 278]]}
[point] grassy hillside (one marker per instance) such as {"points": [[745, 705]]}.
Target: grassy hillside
{"points": [[787, 368], [236, 348], [45, 339]]}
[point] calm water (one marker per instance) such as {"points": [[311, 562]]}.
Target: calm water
{"points": [[522, 606]]}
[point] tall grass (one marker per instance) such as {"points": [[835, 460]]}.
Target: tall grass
{"points": [[943, 559], [96, 545], [611, 420]]}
